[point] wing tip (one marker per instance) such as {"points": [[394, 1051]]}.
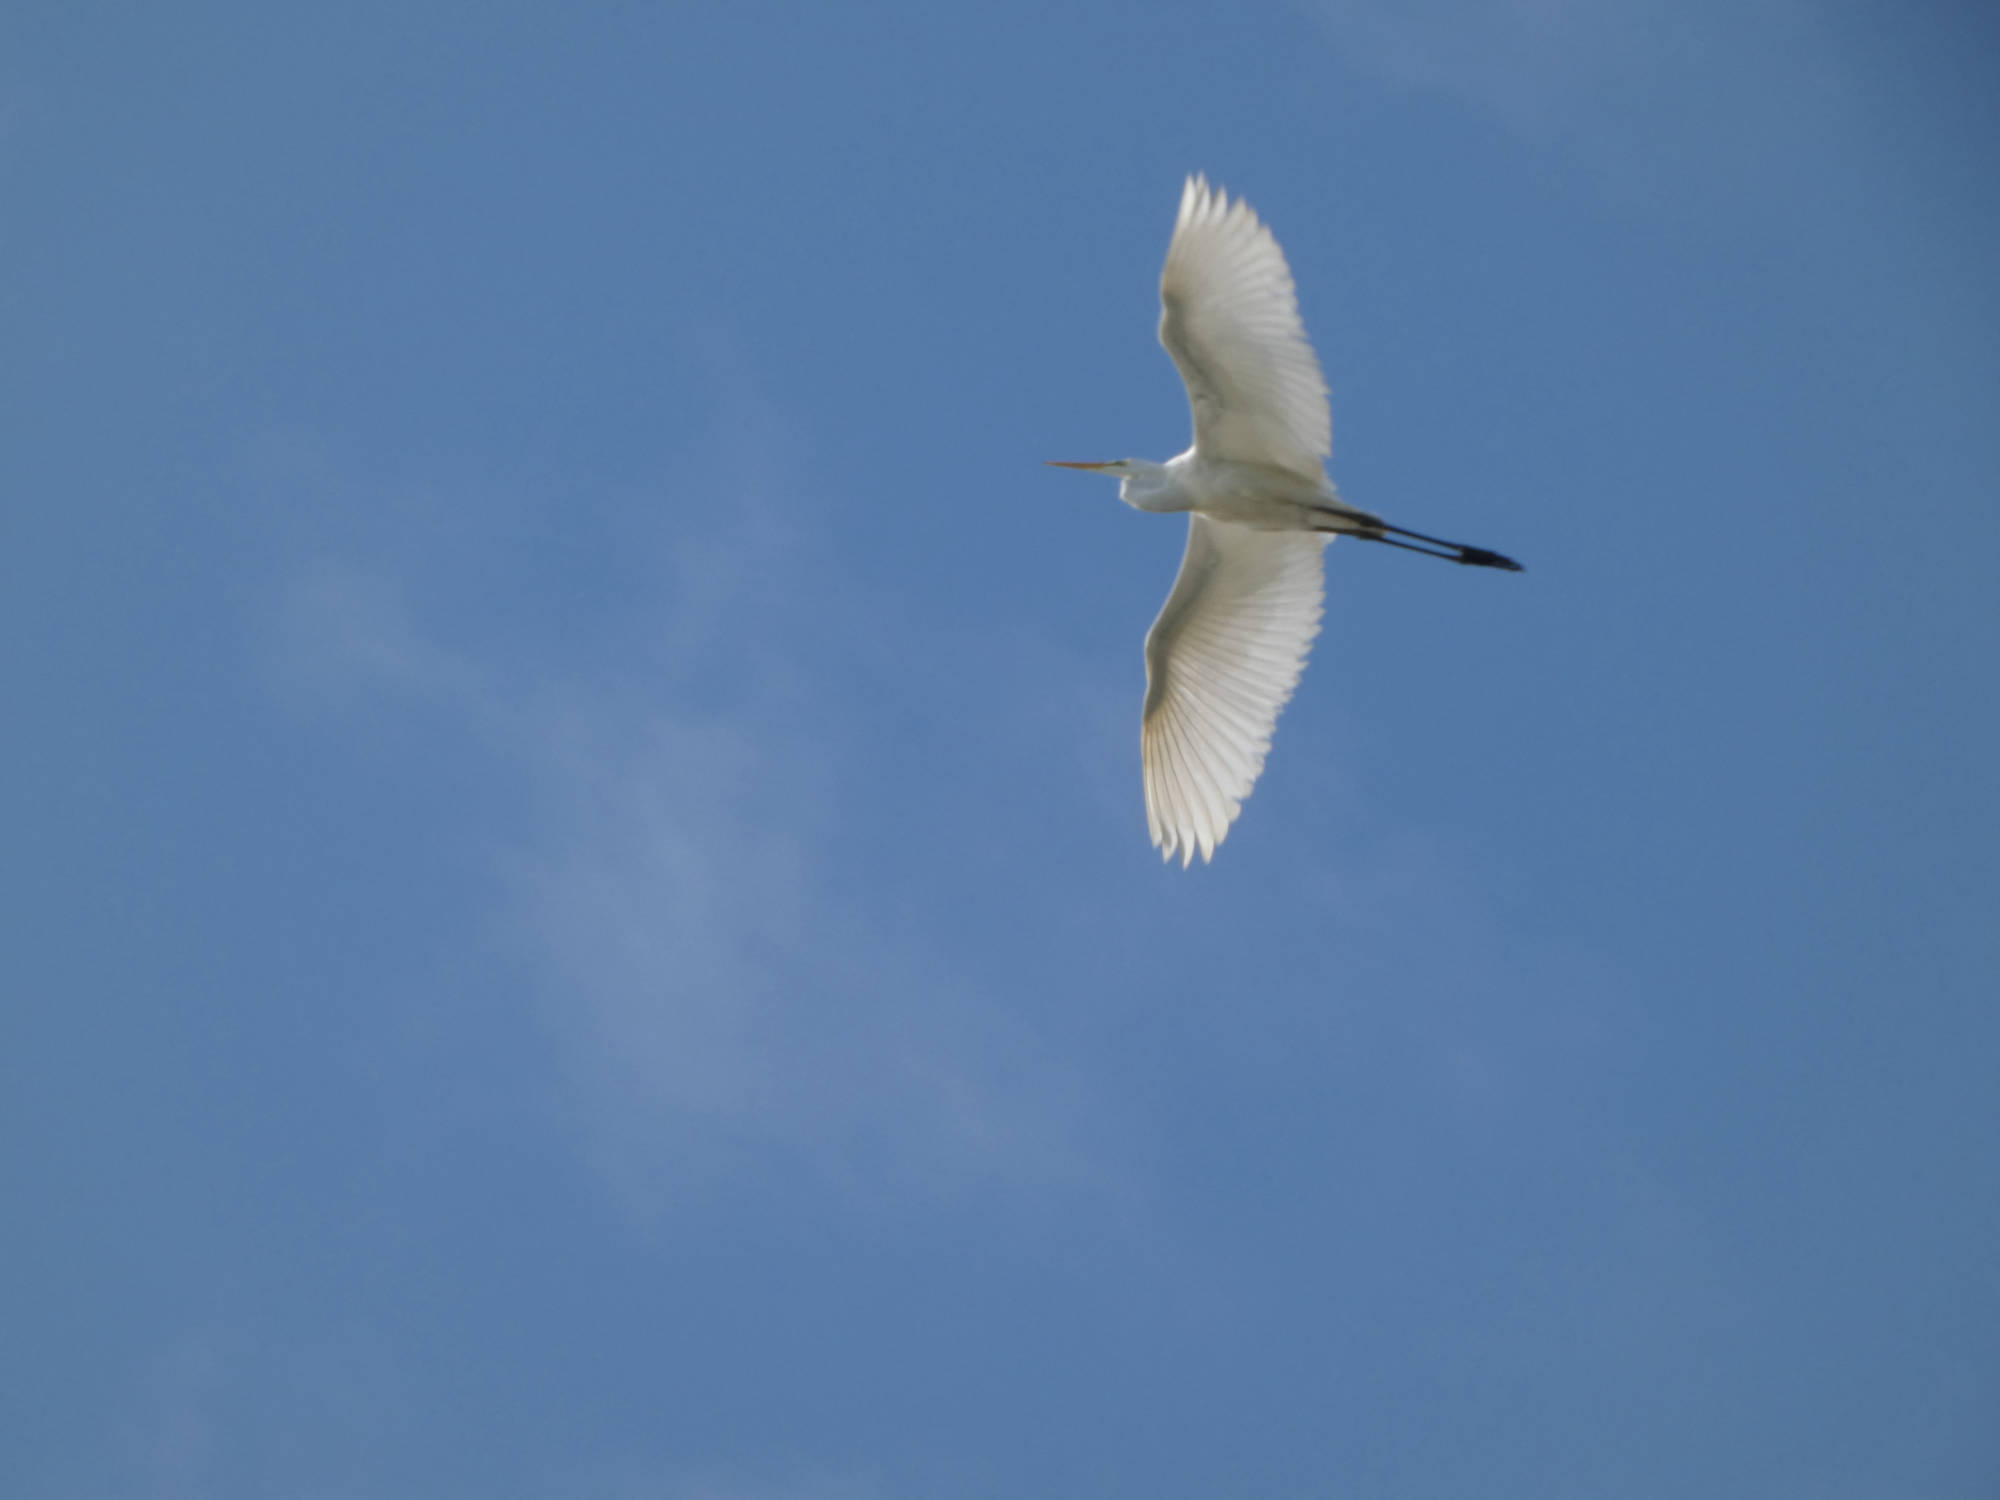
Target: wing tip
{"points": [[1186, 845], [1194, 194], [1205, 202], [1202, 201]]}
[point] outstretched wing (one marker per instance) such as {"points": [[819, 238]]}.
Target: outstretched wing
{"points": [[1221, 660], [1230, 319]]}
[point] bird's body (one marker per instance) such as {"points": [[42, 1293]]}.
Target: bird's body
{"points": [[1230, 642], [1262, 497]]}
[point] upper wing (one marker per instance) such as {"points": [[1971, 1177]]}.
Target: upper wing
{"points": [[1221, 660], [1230, 319]]}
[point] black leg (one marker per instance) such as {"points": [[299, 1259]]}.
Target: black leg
{"points": [[1478, 557], [1367, 528]]}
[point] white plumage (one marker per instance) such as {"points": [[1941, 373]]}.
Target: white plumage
{"points": [[1230, 318], [1227, 649], [1221, 660]]}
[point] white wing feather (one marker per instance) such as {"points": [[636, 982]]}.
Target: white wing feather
{"points": [[1221, 660], [1230, 319]]}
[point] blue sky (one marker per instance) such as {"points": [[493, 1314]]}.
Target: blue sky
{"points": [[580, 920]]}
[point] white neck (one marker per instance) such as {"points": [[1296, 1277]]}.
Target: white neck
{"points": [[1150, 486]]}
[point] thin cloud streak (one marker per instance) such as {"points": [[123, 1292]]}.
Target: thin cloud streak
{"points": [[1607, 84], [225, 1407], [715, 991]]}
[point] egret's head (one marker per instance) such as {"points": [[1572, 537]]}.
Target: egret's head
{"points": [[1135, 476]]}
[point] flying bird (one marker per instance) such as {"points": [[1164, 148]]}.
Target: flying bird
{"points": [[1229, 644]]}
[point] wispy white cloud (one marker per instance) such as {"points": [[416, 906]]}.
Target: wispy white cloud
{"points": [[715, 988], [1539, 64], [710, 981], [641, 1480], [1656, 99], [173, 1434], [227, 1408], [345, 633]]}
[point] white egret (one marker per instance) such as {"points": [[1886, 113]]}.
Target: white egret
{"points": [[1229, 644]]}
